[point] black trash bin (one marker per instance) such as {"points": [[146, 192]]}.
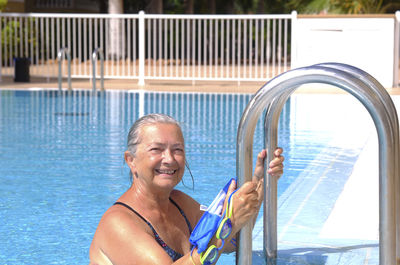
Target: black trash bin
{"points": [[21, 73]]}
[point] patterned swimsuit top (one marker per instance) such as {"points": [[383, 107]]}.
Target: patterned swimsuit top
{"points": [[172, 253]]}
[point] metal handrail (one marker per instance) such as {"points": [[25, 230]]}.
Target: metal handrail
{"points": [[271, 119], [384, 97], [98, 51], [381, 108], [61, 52]]}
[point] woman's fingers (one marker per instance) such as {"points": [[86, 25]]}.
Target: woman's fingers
{"points": [[248, 187], [260, 190], [275, 167], [249, 194], [259, 169], [276, 164], [246, 202], [276, 170], [278, 151], [231, 189]]}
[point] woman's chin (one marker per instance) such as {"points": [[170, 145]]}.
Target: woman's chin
{"points": [[168, 180]]}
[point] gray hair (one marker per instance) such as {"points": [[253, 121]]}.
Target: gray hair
{"points": [[133, 135]]}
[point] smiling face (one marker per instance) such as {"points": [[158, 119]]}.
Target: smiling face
{"points": [[159, 159]]}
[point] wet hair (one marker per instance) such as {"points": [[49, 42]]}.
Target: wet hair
{"points": [[133, 135]]}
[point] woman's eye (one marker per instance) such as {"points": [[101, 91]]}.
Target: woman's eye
{"points": [[155, 149]]}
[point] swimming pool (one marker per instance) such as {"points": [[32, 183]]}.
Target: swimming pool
{"points": [[62, 165]]}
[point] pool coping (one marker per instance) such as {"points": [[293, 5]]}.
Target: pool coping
{"points": [[251, 87]]}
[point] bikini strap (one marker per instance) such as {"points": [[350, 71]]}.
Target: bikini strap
{"points": [[138, 214], [149, 224], [183, 214], [171, 252]]}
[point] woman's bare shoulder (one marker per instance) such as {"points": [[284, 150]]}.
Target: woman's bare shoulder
{"points": [[113, 238], [189, 205], [183, 199]]}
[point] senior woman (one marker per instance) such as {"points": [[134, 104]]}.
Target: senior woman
{"points": [[151, 222]]}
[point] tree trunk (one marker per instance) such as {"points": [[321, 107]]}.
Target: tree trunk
{"points": [[116, 35], [260, 7], [154, 7], [229, 7], [212, 7], [189, 6]]}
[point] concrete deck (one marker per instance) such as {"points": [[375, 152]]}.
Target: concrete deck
{"points": [[7, 82]]}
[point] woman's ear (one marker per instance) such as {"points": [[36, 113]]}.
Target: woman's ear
{"points": [[129, 159]]}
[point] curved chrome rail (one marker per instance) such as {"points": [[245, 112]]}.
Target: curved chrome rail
{"points": [[98, 51], [381, 108], [61, 52]]}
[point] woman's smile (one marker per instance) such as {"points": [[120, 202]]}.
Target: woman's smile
{"points": [[166, 171]]}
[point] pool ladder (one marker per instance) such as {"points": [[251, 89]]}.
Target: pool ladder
{"points": [[97, 51], [64, 52], [272, 96]]}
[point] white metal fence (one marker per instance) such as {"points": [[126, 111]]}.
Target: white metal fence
{"points": [[143, 46]]}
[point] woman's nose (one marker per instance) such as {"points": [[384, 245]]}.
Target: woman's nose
{"points": [[167, 156]]}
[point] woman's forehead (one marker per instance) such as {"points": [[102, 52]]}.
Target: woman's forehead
{"points": [[159, 132]]}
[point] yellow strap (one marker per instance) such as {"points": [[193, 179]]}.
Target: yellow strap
{"points": [[230, 208]]}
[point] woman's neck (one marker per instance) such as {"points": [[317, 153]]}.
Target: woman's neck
{"points": [[146, 198]]}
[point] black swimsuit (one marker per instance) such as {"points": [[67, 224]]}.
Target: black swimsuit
{"points": [[172, 253]]}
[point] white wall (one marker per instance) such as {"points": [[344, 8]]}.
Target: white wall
{"points": [[367, 43]]}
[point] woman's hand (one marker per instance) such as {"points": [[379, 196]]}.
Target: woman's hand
{"points": [[276, 165], [249, 197], [246, 202]]}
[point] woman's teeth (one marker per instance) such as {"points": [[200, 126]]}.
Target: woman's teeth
{"points": [[170, 172]]}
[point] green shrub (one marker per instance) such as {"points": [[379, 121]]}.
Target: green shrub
{"points": [[15, 35], [3, 4]]}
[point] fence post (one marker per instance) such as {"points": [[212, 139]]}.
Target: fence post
{"points": [[1, 49], [141, 103], [396, 81], [293, 48], [141, 48]]}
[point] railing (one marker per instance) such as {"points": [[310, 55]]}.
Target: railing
{"points": [[174, 47], [60, 57], [396, 68], [94, 62], [381, 108]]}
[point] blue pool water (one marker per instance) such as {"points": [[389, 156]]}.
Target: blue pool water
{"points": [[62, 166]]}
